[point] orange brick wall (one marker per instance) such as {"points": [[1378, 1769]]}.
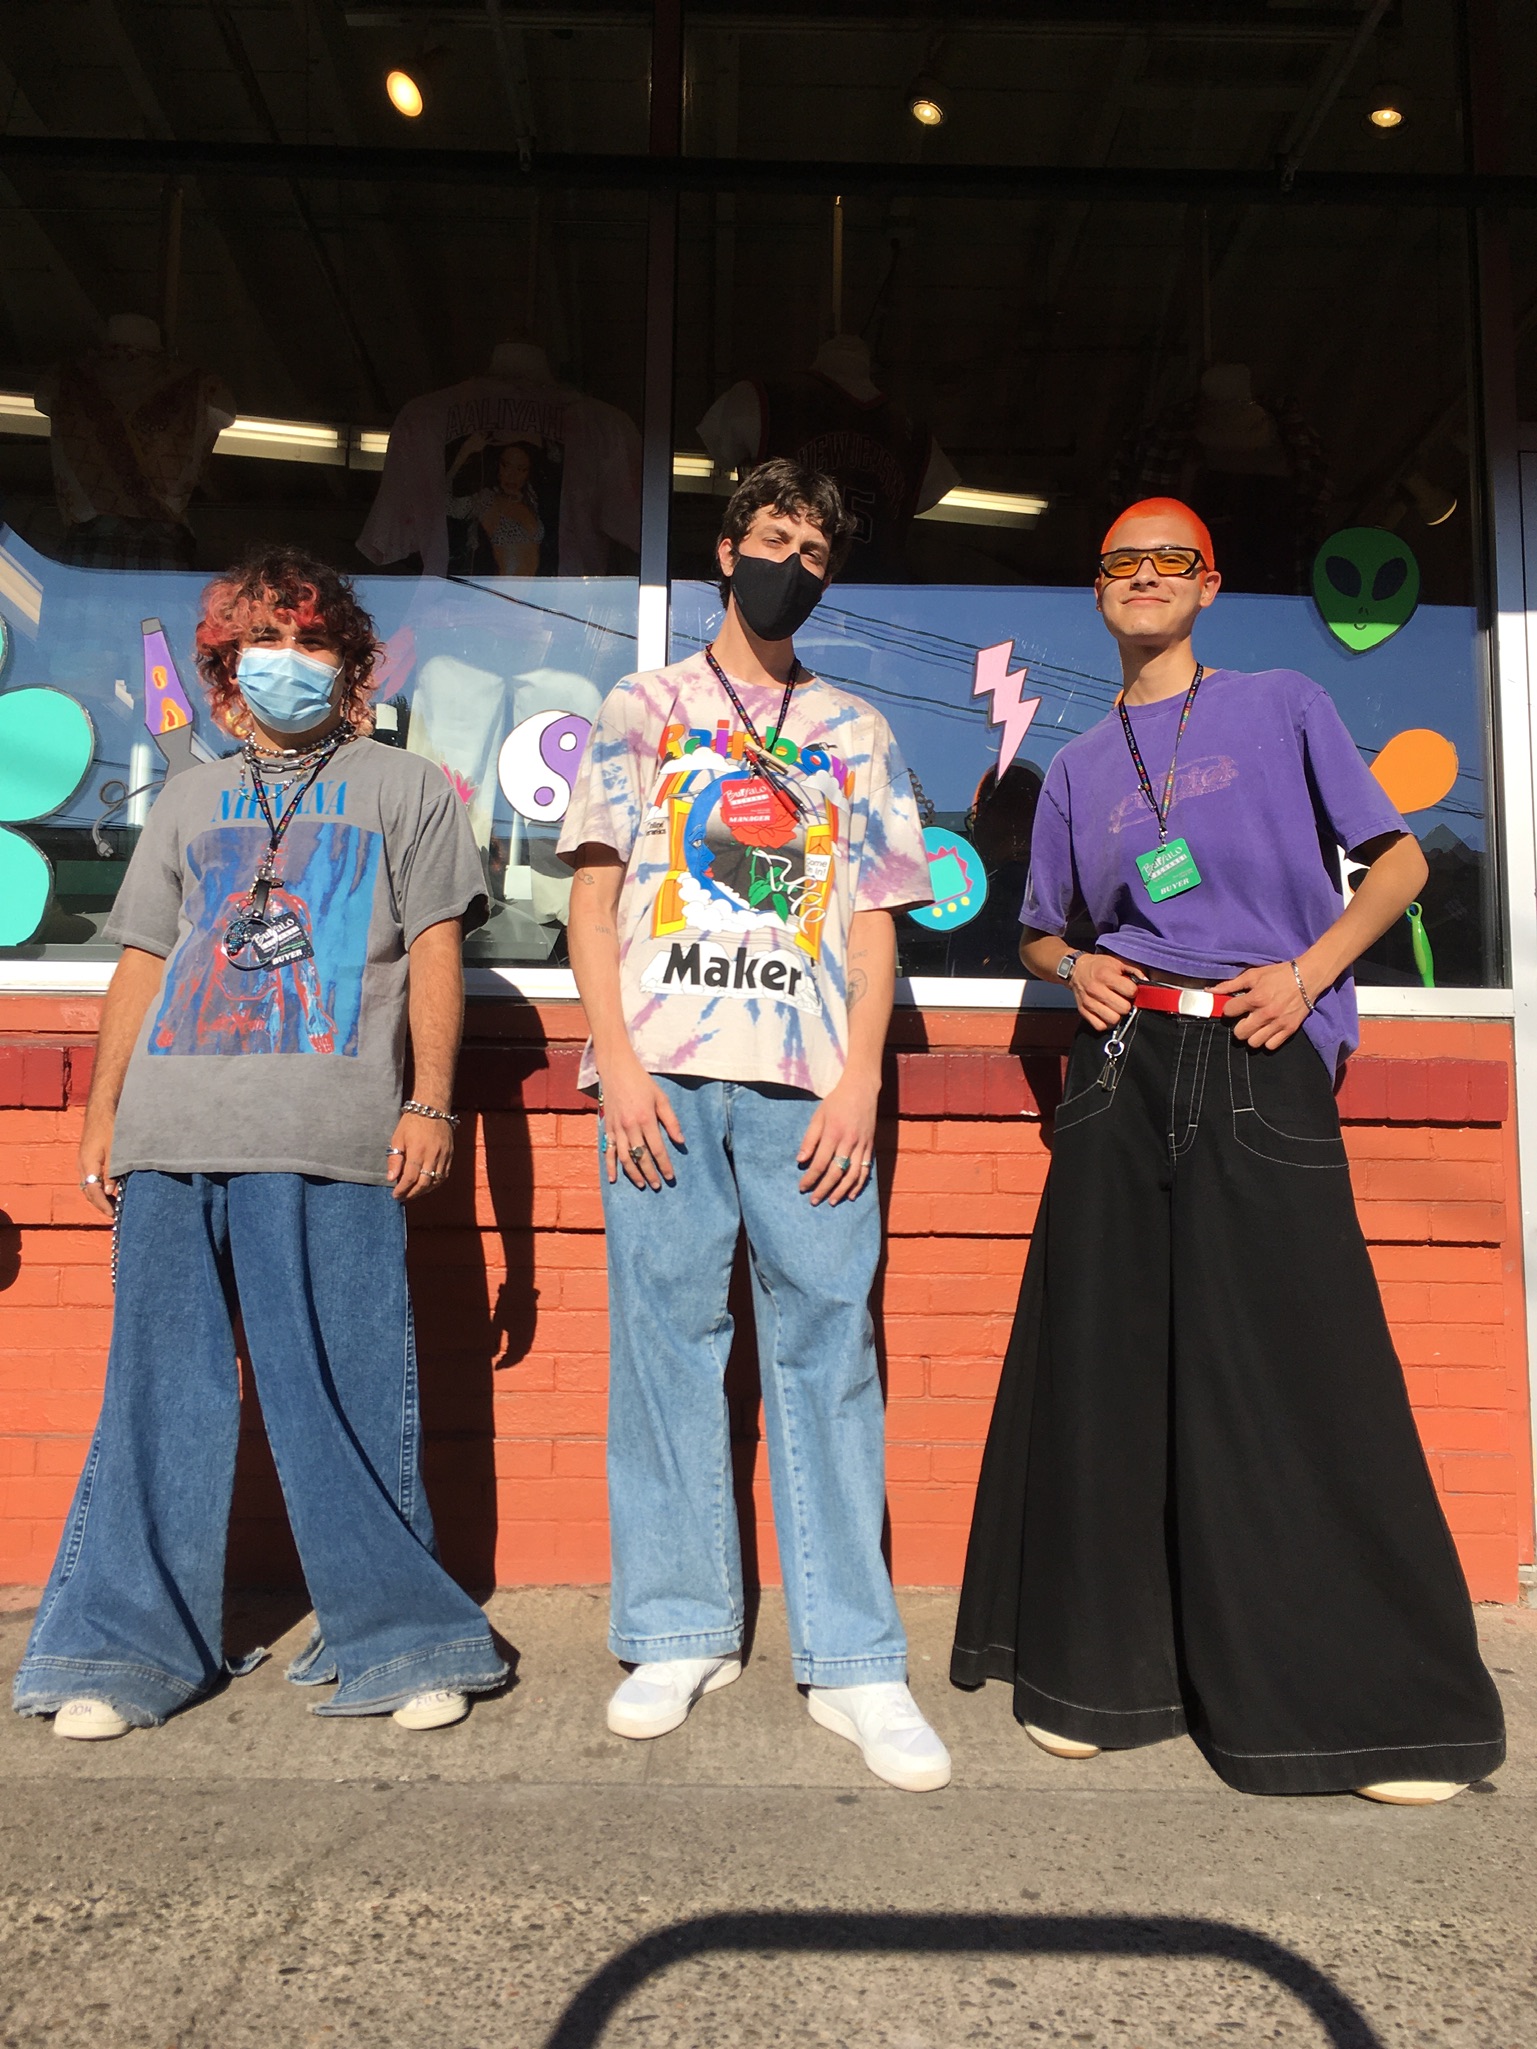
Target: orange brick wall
{"points": [[508, 1269]]}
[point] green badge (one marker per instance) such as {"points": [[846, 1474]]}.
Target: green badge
{"points": [[1168, 870]]}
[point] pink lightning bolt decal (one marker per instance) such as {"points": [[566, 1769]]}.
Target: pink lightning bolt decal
{"points": [[992, 679]]}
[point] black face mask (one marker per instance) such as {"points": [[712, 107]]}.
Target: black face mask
{"points": [[774, 598]]}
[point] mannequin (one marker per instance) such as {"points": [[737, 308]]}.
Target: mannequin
{"points": [[132, 428], [833, 417], [521, 359], [507, 474], [1252, 467]]}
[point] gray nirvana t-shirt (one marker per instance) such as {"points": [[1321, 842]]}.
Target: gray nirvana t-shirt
{"points": [[294, 1069]]}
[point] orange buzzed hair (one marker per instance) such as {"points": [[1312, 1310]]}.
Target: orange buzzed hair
{"points": [[1164, 508]]}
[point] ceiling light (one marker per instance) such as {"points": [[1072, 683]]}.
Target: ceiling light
{"points": [[1432, 501], [405, 95], [1386, 115], [925, 102], [964, 507]]}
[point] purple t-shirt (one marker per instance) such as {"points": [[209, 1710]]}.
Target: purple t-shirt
{"points": [[1269, 787]]}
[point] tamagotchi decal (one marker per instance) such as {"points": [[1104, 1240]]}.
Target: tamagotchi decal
{"points": [[538, 763], [46, 745], [957, 878], [1366, 584]]}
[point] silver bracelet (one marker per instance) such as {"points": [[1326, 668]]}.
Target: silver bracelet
{"points": [[426, 1110], [1301, 991]]}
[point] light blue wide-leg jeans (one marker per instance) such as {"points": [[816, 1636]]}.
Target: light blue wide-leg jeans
{"points": [[677, 1564], [133, 1610]]}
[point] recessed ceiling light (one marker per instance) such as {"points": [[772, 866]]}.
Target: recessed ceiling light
{"points": [[1386, 115], [405, 95], [926, 101]]}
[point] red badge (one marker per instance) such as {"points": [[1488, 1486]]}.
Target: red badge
{"points": [[755, 813]]}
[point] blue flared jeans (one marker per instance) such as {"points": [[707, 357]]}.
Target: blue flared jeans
{"points": [[133, 1612], [677, 1562]]}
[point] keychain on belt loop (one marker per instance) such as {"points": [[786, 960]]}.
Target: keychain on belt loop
{"points": [[1115, 1049]]}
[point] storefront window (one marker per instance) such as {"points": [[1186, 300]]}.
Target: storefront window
{"points": [[433, 387], [992, 380]]}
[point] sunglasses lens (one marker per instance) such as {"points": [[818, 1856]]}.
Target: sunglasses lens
{"points": [[1122, 562]]}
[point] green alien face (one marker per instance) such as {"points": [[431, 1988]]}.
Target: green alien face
{"points": [[1366, 584]]}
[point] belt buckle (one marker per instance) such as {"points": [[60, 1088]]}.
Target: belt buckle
{"points": [[1197, 1003]]}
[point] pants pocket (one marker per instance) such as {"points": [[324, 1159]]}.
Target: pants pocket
{"points": [[1092, 1075], [1283, 1105]]}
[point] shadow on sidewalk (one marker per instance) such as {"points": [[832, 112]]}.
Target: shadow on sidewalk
{"points": [[587, 2016]]}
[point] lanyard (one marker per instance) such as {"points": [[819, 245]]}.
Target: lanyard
{"points": [[1159, 811], [277, 826], [759, 757]]}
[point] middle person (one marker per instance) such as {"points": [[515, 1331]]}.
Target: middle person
{"points": [[742, 835]]}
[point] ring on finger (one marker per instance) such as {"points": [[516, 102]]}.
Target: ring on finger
{"points": [[843, 1163], [91, 1181], [637, 1153]]}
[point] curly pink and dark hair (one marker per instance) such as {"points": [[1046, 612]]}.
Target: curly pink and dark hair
{"points": [[283, 584]]}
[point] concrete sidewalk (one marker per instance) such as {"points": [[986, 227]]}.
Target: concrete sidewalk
{"points": [[250, 1875]]}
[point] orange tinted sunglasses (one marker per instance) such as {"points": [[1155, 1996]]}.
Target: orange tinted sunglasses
{"points": [[1124, 562]]}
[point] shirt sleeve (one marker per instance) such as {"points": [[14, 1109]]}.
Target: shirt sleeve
{"points": [[440, 875], [393, 528], [893, 859], [609, 796], [1051, 888], [147, 912], [1350, 799]]}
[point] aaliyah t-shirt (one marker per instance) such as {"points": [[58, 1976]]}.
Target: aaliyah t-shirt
{"points": [[734, 913]]}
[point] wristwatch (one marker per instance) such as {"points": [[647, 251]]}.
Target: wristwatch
{"points": [[1066, 965]]}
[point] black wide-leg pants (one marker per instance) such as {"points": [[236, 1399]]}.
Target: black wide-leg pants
{"points": [[1204, 1505]]}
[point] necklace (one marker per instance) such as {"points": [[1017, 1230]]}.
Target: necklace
{"points": [[250, 918], [759, 760]]}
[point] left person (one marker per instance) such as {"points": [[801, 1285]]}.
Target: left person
{"points": [[289, 912]]}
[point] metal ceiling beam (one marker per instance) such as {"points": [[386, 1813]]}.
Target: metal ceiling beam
{"points": [[1158, 184], [261, 113], [1074, 18], [123, 37], [22, 117], [340, 78]]}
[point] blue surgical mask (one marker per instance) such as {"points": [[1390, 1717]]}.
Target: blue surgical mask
{"points": [[288, 691]]}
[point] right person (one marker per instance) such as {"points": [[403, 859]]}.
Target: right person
{"points": [[1204, 1506]]}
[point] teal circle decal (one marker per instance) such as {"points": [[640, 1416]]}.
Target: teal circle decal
{"points": [[46, 744], [957, 878], [26, 888]]}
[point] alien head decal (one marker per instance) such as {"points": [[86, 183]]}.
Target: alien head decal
{"points": [[1366, 583]]}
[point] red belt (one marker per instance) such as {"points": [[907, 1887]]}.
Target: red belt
{"points": [[1179, 1002]]}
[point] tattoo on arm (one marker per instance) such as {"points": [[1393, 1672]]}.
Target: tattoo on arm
{"points": [[858, 986], [586, 875]]}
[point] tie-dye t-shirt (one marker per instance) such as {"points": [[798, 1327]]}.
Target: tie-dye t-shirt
{"points": [[734, 914]]}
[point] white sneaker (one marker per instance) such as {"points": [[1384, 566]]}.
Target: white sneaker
{"points": [[888, 1725], [1411, 1792], [1060, 1746], [434, 1710], [90, 1721], [656, 1698]]}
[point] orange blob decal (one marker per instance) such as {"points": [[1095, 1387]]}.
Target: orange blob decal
{"points": [[1416, 768]]}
